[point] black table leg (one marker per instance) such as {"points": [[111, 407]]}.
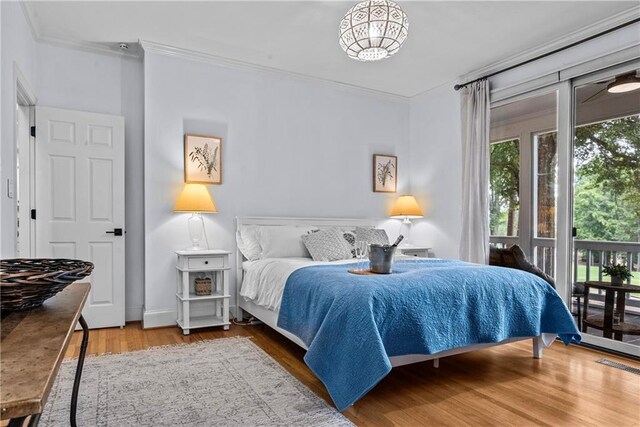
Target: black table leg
{"points": [[35, 419], [607, 324], [76, 381], [17, 422]]}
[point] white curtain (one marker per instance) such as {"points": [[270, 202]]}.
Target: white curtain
{"points": [[474, 243]]}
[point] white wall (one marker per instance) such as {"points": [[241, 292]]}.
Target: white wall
{"points": [[18, 49], [436, 169], [290, 148], [109, 84]]}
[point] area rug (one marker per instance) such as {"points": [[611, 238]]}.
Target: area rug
{"points": [[220, 382]]}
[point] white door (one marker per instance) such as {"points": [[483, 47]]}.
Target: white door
{"points": [[80, 202]]}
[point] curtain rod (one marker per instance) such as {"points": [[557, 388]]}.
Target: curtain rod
{"points": [[544, 55]]}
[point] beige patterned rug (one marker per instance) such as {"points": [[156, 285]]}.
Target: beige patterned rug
{"points": [[220, 382]]}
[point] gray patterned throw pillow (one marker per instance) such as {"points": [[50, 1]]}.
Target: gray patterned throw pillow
{"points": [[372, 235], [350, 238], [327, 245]]}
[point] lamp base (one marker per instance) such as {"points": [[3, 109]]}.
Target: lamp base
{"points": [[195, 230], [405, 230]]}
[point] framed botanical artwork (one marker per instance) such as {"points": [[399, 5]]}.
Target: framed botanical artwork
{"points": [[202, 159], [385, 173]]}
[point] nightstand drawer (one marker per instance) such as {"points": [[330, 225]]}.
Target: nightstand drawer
{"points": [[205, 262], [415, 253]]}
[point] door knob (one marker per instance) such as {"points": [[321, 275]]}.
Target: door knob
{"points": [[116, 232]]}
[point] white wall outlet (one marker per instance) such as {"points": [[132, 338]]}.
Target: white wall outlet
{"points": [[10, 188]]}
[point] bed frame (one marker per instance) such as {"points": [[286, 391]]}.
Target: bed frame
{"points": [[271, 318]]}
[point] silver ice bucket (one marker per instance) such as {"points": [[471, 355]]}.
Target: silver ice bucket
{"points": [[381, 258]]}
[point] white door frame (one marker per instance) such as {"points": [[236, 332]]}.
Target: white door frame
{"points": [[25, 188]]}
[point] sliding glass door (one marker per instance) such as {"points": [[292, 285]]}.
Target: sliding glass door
{"points": [[606, 207], [565, 186]]}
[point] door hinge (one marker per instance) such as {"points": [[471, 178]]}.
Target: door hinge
{"points": [[33, 214], [33, 131]]}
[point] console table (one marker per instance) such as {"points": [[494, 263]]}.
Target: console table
{"points": [[33, 345]]}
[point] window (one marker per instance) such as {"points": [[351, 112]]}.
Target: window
{"points": [[523, 177]]}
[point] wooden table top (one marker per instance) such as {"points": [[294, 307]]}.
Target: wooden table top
{"points": [[608, 285], [32, 348]]}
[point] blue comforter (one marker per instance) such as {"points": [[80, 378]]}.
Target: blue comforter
{"points": [[352, 324]]}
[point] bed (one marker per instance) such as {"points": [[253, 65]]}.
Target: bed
{"points": [[428, 309]]}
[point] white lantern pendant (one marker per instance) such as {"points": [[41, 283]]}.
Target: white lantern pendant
{"points": [[373, 30]]}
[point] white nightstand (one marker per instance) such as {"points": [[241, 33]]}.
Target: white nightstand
{"points": [[417, 251], [208, 310]]}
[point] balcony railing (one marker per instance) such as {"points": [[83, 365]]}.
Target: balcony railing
{"points": [[589, 256]]}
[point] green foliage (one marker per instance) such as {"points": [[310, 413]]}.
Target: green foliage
{"points": [[607, 191], [504, 178], [617, 270], [607, 182], [598, 214]]}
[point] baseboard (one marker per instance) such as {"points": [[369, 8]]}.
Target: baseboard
{"points": [[161, 318], [133, 314], [158, 318]]}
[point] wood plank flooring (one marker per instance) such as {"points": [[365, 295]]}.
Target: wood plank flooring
{"points": [[502, 385]]}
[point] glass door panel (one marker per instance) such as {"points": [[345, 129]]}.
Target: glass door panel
{"points": [[606, 207]]}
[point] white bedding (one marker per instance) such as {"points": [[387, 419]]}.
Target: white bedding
{"points": [[264, 279]]}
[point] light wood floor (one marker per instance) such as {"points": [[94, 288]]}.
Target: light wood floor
{"points": [[499, 386]]}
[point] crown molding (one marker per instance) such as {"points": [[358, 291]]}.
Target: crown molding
{"points": [[575, 36], [178, 52], [91, 47]]}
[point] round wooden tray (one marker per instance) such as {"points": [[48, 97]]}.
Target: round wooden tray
{"points": [[365, 272]]}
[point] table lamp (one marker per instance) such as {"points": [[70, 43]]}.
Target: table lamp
{"points": [[195, 198], [406, 208]]}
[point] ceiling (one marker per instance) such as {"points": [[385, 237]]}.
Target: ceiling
{"points": [[446, 39]]}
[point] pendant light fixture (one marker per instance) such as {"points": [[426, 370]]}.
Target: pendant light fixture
{"points": [[373, 30]]}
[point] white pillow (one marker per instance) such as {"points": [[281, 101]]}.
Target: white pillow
{"points": [[372, 235], [283, 241], [327, 245], [247, 240]]}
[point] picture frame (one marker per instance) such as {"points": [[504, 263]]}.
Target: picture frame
{"points": [[385, 173], [202, 159]]}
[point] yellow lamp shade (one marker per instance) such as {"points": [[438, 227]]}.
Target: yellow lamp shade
{"points": [[406, 207], [195, 198]]}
